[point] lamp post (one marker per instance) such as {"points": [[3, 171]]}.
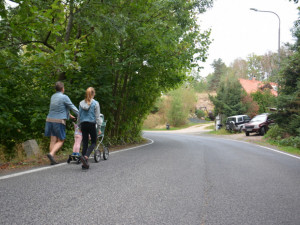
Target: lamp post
{"points": [[256, 10]]}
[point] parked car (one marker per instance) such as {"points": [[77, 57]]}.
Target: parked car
{"points": [[258, 124], [236, 123]]}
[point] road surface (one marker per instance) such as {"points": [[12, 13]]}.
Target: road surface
{"points": [[175, 179]]}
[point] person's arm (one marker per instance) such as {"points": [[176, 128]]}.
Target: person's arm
{"points": [[70, 105]]}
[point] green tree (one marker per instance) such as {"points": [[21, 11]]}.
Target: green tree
{"points": [[289, 96], [130, 51], [255, 67], [239, 68], [214, 79], [198, 82], [288, 116], [228, 100], [182, 104], [264, 99]]}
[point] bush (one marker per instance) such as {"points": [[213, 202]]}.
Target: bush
{"points": [[291, 141], [275, 132], [200, 113], [281, 137], [176, 115], [182, 103]]}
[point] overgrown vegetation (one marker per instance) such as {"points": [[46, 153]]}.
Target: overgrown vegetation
{"points": [[129, 52], [173, 108], [288, 104]]}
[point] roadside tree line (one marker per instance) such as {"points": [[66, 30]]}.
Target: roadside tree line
{"points": [[129, 51]]}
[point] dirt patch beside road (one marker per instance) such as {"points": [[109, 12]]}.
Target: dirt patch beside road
{"points": [[201, 129], [254, 138]]}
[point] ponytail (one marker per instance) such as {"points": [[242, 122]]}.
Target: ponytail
{"points": [[89, 95]]}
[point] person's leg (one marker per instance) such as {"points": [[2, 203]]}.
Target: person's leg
{"points": [[56, 146], [76, 146], [85, 140], [93, 135], [53, 140], [85, 137]]}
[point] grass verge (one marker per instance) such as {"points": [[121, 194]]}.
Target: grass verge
{"points": [[267, 142], [220, 132], [288, 149]]}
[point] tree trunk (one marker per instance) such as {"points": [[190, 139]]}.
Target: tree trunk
{"points": [[70, 22]]}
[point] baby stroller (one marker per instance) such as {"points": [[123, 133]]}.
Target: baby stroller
{"points": [[97, 149]]}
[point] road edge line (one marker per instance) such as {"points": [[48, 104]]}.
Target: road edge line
{"points": [[271, 149], [127, 149], [62, 164]]}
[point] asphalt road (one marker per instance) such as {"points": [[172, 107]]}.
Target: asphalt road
{"points": [[178, 179]]}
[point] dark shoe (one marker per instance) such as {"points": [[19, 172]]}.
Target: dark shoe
{"points": [[84, 168], [52, 161], [85, 164]]}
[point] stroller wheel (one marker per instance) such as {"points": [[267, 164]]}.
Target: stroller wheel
{"points": [[105, 153], [69, 159], [97, 155]]}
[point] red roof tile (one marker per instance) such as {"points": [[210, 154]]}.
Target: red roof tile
{"points": [[253, 85]]}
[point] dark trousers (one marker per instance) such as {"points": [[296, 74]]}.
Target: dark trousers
{"points": [[87, 129]]}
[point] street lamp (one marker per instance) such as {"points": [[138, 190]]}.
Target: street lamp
{"points": [[256, 10]]}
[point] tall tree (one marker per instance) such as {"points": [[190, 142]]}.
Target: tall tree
{"points": [[228, 100], [289, 89], [239, 68], [255, 67], [220, 70]]}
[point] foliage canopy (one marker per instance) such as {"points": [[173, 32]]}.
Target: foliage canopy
{"points": [[129, 51]]}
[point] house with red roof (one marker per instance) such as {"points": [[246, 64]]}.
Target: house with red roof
{"points": [[251, 86]]}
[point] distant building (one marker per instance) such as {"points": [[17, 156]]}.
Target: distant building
{"points": [[251, 86]]}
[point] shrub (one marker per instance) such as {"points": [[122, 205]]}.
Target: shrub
{"points": [[176, 115], [264, 100], [182, 103], [275, 132], [251, 105], [291, 141], [200, 113]]}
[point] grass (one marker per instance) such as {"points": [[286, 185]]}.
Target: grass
{"points": [[220, 132], [265, 142], [288, 149], [211, 127]]}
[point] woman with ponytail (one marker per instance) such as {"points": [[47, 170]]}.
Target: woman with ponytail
{"points": [[89, 116]]}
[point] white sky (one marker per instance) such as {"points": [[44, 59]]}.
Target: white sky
{"points": [[238, 31]]}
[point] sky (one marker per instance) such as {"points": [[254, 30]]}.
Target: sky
{"points": [[238, 31]]}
